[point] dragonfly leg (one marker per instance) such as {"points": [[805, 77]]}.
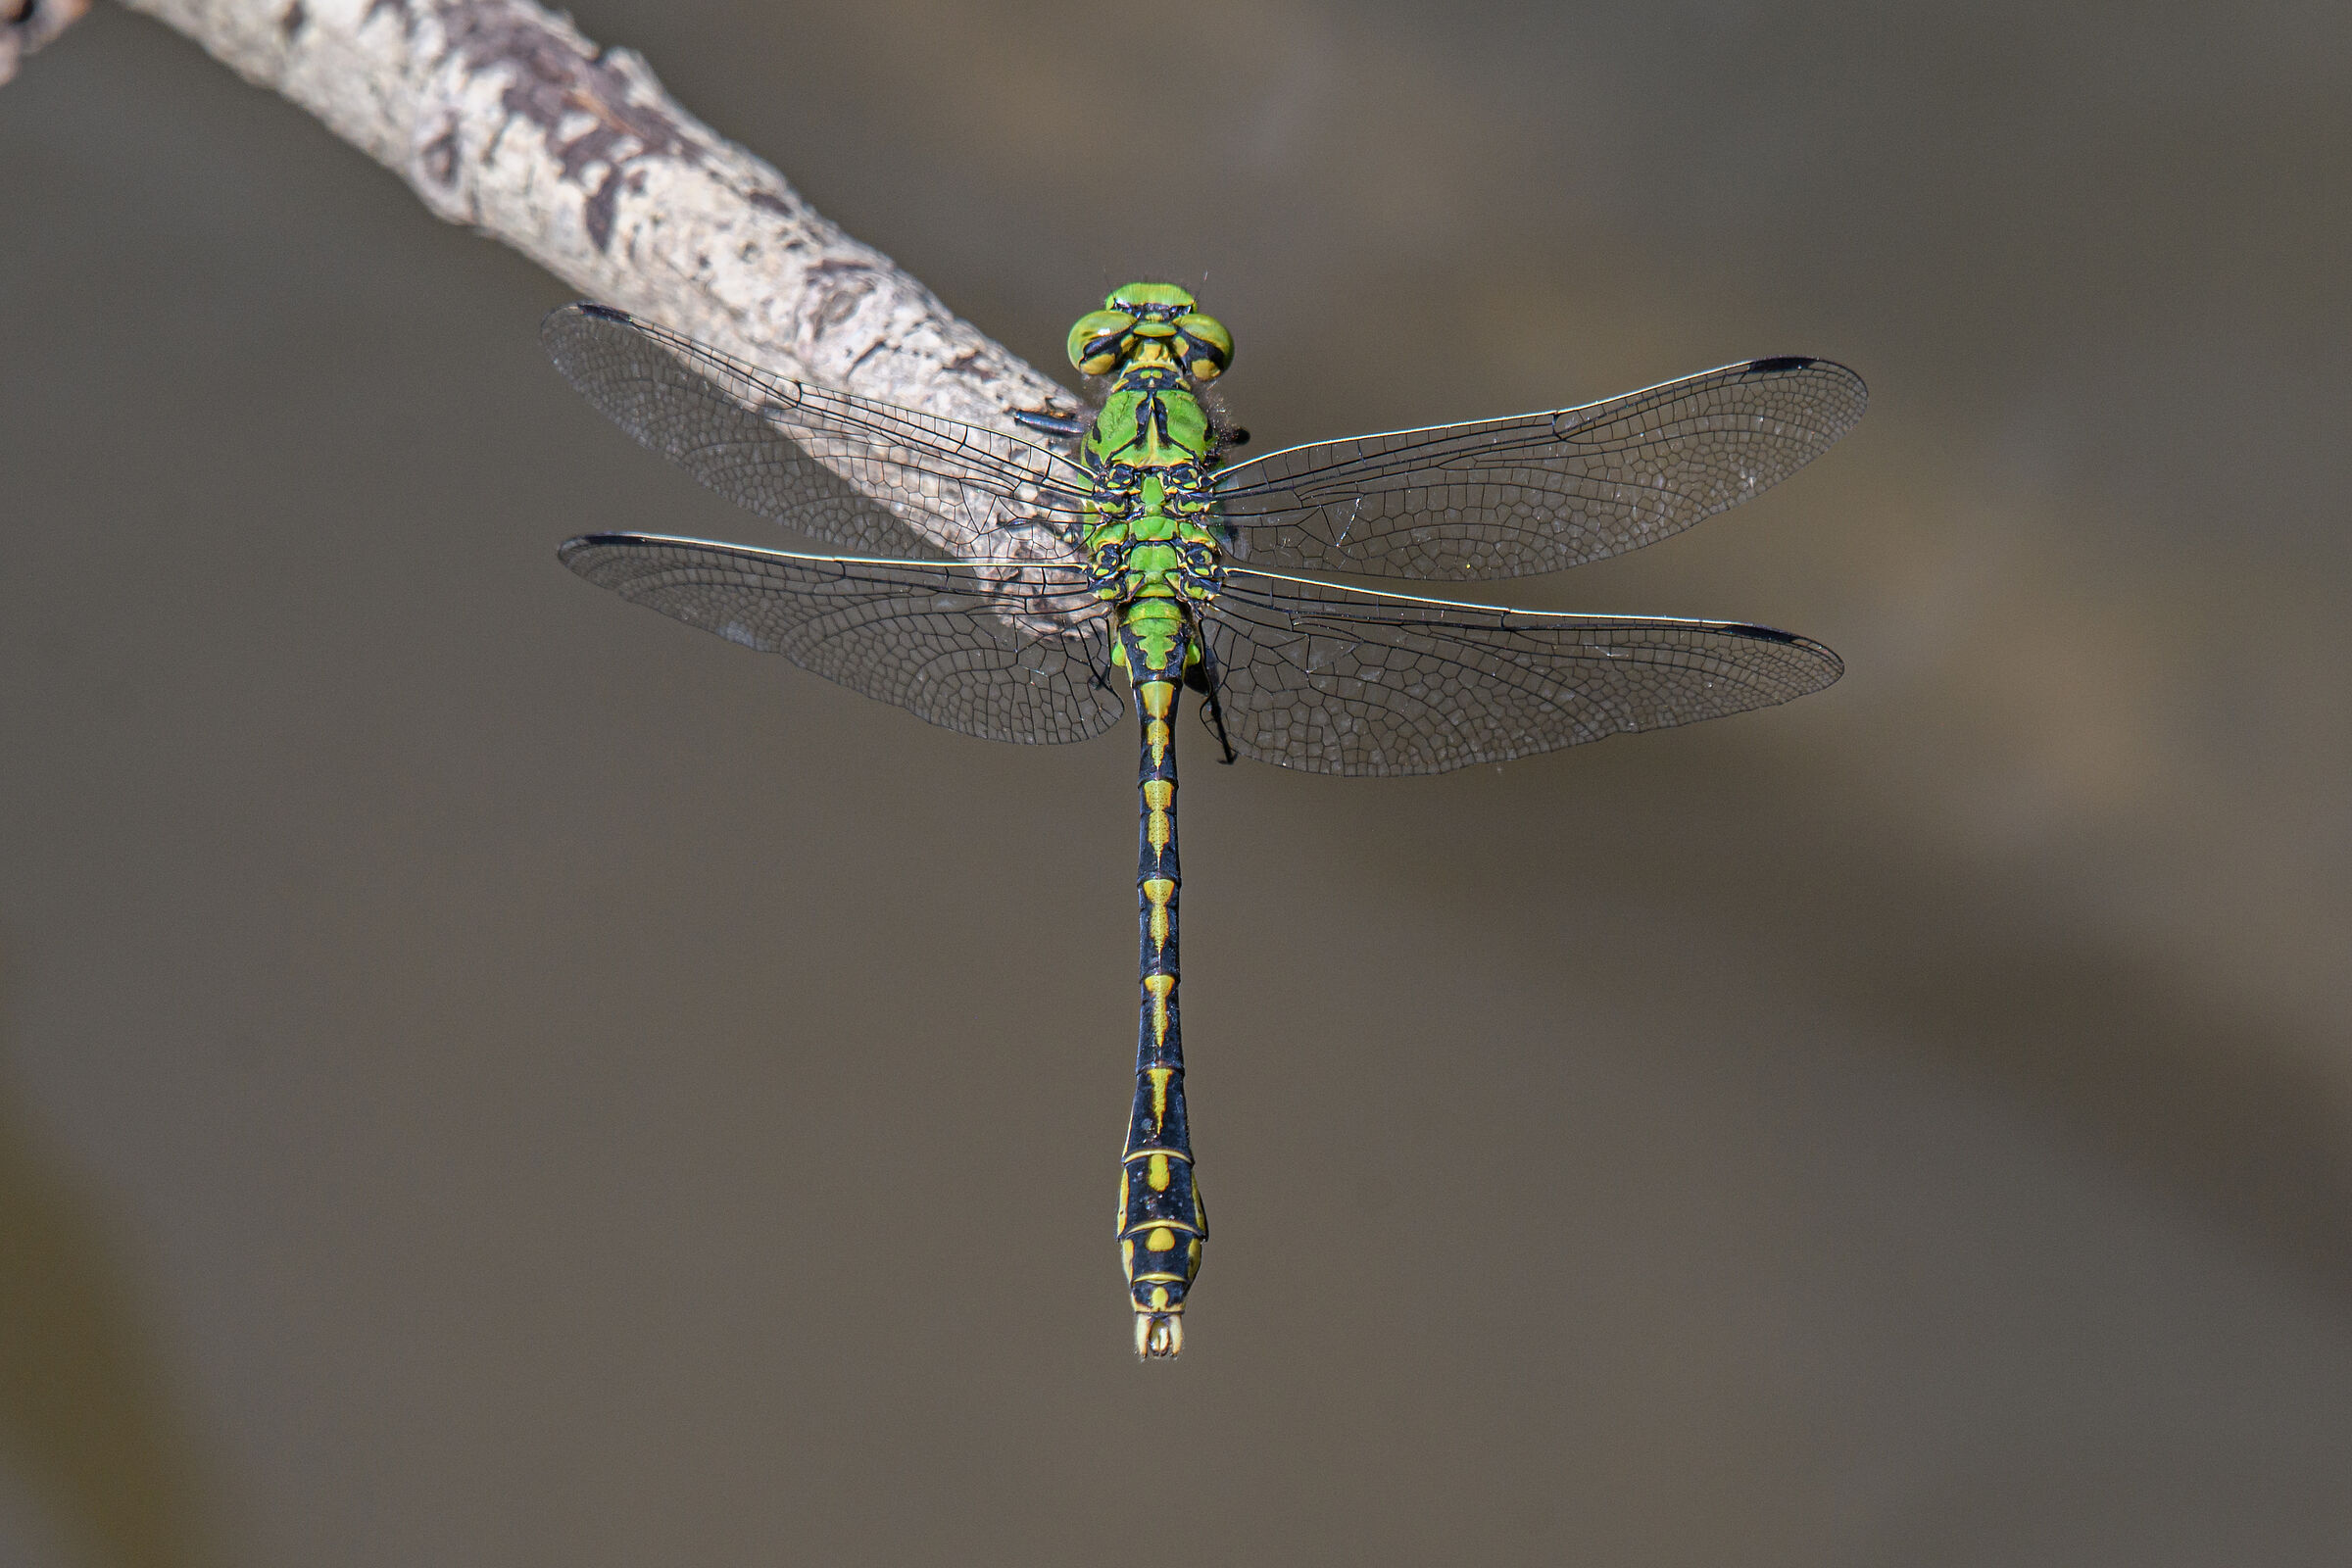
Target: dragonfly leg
{"points": [[1203, 678], [1050, 423]]}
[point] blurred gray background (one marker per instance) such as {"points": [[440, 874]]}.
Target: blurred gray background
{"points": [[489, 1075]]}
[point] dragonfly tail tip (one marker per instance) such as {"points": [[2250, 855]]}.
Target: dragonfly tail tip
{"points": [[1159, 1334]]}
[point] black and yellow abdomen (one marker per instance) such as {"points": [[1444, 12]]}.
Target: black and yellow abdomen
{"points": [[1161, 1220]]}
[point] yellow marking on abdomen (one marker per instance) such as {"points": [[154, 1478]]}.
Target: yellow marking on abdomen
{"points": [[1159, 700], [1156, 1175], [1158, 796], [1160, 1241], [1159, 891], [1159, 1077], [1159, 985]]}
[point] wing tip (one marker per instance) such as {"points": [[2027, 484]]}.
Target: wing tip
{"points": [[589, 308], [1798, 363], [564, 316], [1822, 654], [590, 553], [595, 541]]}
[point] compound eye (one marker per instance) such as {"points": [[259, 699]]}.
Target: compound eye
{"points": [[1208, 348], [1095, 341]]}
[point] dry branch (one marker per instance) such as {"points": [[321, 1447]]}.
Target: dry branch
{"points": [[502, 116]]}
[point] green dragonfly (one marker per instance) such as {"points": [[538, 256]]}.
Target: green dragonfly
{"points": [[1009, 587]]}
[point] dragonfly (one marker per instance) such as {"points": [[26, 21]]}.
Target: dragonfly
{"points": [[1015, 586]]}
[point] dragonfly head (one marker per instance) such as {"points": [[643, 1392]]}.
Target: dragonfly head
{"points": [[1151, 324]]}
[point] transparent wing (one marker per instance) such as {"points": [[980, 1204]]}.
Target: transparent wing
{"points": [[1332, 680], [857, 473], [1536, 492], [1007, 650]]}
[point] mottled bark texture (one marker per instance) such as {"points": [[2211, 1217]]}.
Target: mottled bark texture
{"points": [[504, 118], [27, 24]]}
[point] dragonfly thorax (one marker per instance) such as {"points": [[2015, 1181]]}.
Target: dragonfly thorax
{"points": [[1130, 570], [1150, 448]]}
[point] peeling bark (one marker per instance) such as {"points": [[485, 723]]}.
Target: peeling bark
{"points": [[504, 118]]}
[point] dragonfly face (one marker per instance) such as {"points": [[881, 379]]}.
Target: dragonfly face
{"points": [[1154, 326]]}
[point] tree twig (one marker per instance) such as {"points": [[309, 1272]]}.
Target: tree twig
{"points": [[503, 117]]}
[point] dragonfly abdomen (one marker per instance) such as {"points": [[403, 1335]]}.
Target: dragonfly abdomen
{"points": [[1161, 1221]]}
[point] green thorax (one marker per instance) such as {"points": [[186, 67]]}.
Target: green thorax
{"points": [[1153, 543]]}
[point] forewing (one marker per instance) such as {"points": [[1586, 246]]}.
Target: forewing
{"points": [[1336, 681], [857, 473], [1538, 492], [1009, 650]]}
